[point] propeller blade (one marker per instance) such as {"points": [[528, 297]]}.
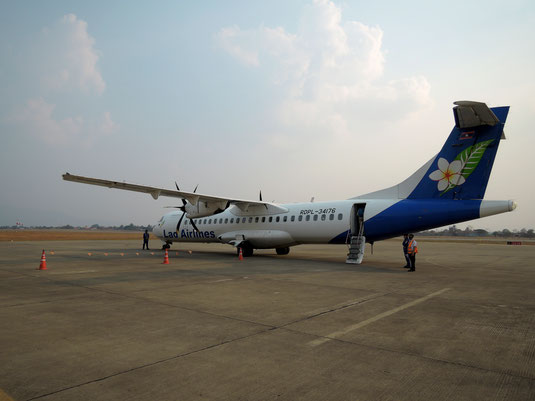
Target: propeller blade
{"points": [[195, 190], [262, 201], [184, 202], [180, 221], [193, 225]]}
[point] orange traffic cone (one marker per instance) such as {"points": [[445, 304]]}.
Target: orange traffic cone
{"points": [[42, 265], [240, 255], [166, 258]]}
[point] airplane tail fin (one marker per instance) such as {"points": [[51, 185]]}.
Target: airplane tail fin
{"points": [[461, 170]]}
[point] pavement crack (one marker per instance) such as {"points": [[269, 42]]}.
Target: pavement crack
{"points": [[335, 309], [147, 365], [426, 357]]}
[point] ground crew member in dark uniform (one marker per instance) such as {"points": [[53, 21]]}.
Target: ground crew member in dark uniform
{"points": [[405, 251], [412, 250], [146, 239]]}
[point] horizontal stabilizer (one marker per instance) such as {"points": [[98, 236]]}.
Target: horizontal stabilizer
{"points": [[470, 114]]}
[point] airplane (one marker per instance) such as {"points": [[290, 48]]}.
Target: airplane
{"points": [[448, 189]]}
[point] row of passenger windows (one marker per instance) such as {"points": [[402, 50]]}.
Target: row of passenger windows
{"points": [[270, 219]]}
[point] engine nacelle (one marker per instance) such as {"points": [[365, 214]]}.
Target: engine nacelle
{"points": [[203, 209]]}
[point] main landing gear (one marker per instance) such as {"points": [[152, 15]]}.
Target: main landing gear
{"points": [[248, 250], [165, 246], [283, 251]]}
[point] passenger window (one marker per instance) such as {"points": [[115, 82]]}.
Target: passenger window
{"points": [[323, 217], [307, 218], [331, 217], [256, 219], [339, 216], [243, 220], [300, 218], [292, 218], [315, 217], [285, 219], [277, 219], [263, 219], [226, 221], [270, 219], [238, 220], [220, 221], [250, 219]]}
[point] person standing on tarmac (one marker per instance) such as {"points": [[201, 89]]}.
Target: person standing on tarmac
{"points": [[146, 239], [412, 250], [405, 251]]}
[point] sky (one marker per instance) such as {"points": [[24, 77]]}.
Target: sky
{"points": [[299, 99]]}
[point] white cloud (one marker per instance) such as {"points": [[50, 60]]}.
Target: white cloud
{"points": [[67, 58], [107, 126], [227, 38], [330, 73], [37, 120]]}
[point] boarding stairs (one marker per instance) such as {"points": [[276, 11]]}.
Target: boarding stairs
{"points": [[356, 245]]}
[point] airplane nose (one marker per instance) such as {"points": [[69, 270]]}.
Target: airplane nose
{"points": [[157, 230]]}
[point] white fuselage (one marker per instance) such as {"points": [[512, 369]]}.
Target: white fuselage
{"points": [[302, 223], [321, 222]]}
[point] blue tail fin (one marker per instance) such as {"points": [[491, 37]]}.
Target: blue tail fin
{"points": [[462, 168]]}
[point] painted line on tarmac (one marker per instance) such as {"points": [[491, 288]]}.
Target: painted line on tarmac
{"points": [[348, 329], [74, 272]]}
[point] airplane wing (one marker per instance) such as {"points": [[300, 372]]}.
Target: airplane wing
{"points": [[192, 197]]}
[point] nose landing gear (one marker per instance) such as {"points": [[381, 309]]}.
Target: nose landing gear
{"points": [[247, 250]]}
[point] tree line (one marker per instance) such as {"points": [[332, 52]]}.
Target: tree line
{"points": [[451, 231], [469, 231], [128, 227]]}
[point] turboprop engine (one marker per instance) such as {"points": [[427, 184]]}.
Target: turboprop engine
{"points": [[203, 209], [194, 208]]}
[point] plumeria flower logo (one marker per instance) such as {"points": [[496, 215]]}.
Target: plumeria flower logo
{"points": [[448, 174]]}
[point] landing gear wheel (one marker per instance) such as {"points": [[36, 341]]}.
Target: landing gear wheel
{"points": [[283, 251]]}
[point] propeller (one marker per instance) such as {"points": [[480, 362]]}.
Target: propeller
{"points": [[183, 208]]}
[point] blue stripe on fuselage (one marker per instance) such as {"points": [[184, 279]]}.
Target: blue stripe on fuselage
{"points": [[413, 215]]}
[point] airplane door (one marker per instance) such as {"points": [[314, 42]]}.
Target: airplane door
{"points": [[357, 219]]}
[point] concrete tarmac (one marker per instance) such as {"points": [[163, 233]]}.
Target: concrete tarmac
{"points": [[305, 326]]}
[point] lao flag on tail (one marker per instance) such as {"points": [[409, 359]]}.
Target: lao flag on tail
{"points": [[467, 135]]}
